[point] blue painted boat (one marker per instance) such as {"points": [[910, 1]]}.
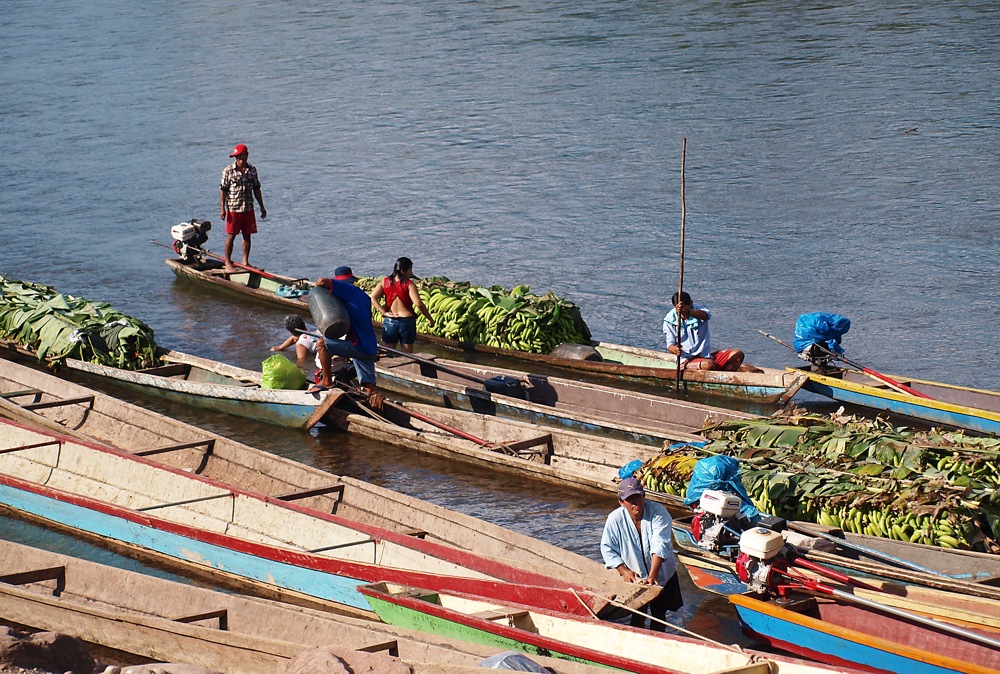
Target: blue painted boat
{"points": [[187, 519], [842, 633], [947, 405]]}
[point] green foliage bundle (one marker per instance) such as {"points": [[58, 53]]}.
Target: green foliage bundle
{"points": [[58, 326], [864, 476], [515, 319]]}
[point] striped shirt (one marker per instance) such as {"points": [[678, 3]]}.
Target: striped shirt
{"points": [[238, 187]]}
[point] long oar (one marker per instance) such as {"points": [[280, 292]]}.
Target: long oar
{"points": [[680, 283], [244, 267], [877, 376], [900, 613]]}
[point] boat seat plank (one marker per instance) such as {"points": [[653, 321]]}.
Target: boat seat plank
{"points": [[416, 533], [520, 446], [17, 394], [171, 370], [60, 403], [340, 546], [56, 573], [222, 615], [321, 491], [499, 614], [35, 445], [390, 647], [209, 445], [189, 501]]}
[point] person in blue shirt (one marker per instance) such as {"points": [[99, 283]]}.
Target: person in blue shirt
{"points": [[695, 350], [360, 344], [637, 543]]}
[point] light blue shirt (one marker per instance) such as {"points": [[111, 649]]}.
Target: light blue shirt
{"points": [[622, 543], [695, 341]]}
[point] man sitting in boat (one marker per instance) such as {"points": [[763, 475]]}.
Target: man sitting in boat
{"points": [[695, 349]]}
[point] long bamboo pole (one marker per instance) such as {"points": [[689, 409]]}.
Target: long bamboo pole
{"points": [[680, 284]]}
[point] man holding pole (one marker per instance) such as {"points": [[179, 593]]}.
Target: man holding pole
{"points": [[694, 350]]}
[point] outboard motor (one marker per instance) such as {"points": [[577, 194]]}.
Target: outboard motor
{"points": [[759, 556], [715, 525], [189, 237]]}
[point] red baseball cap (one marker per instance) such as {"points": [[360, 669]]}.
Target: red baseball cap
{"points": [[239, 149]]}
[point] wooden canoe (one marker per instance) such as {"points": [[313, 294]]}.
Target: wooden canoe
{"points": [[843, 633], [71, 409], [765, 385], [551, 401], [155, 509], [173, 622], [533, 631], [948, 405], [209, 385]]}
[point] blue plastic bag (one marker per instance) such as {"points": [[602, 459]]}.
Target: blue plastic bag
{"points": [[820, 328], [720, 473]]}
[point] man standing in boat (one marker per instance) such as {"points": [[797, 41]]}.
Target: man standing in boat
{"points": [[637, 543], [695, 350], [239, 186], [360, 344]]}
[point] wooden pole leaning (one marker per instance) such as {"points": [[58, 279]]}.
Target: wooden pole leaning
{"points": [[680, 284]]}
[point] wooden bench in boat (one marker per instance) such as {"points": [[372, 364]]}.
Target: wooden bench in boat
{"points": [[499, 614], [171, 370]]}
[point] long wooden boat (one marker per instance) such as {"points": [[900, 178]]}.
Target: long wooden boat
{"points": [[550, 401], [169, 621], [533, 631], [38, 399], [947, 405], [188, 519], [844, 633], [209, 385], [761, 384]]}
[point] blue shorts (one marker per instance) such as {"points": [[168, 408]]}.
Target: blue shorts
{"points": [[399, 330], [364, 363]]}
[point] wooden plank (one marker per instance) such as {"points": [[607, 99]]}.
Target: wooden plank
{"points": [[222, 615], [189, 501], [56, 573], [210, 443], [390, 647], [59, 403], [343, 545], [170, 370], [17, 394], [499, 614], [21, 448], [321, 491]]}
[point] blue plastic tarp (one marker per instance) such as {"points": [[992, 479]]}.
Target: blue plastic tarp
{"points": [[820, 328], [720, 473]]}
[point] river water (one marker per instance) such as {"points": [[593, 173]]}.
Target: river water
{"points": [[840, 157]]}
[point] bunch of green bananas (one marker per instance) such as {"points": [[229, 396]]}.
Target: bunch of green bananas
{"points": [[515, 319], [668, 473]]}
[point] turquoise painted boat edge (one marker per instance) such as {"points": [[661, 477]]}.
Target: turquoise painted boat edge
{"points": [[924, 411], [286, 576], [791, 637]]}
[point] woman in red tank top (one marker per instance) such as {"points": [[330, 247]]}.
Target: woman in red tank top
{"points": [[401, 302]]}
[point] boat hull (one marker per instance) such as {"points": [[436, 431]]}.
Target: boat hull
{"points": [[884, 399], [767, 385], [863, 639]]}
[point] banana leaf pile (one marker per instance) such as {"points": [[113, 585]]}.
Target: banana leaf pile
{"points": [[866, 476], [58, 326], [515, 319]]}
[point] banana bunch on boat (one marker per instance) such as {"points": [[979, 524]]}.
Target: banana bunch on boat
{"points": [[868, 477], [515, 319], [667, 473], [58, 326]]}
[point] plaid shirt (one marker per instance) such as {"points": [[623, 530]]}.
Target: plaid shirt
{"points": [[239, 188]]}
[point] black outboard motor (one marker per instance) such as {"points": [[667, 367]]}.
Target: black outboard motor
{"points": [[189, 237]]}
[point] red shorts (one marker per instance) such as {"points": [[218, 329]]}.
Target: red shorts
{"points": [[723, 357], [245, 223]]}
